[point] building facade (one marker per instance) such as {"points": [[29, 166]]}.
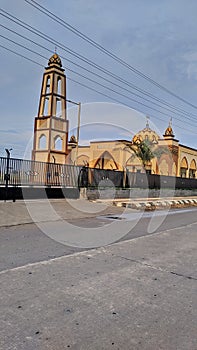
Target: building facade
{"points": [[171, 158], [51, 138]]}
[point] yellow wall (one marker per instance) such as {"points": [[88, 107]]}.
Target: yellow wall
{"points": [[118, 156]]}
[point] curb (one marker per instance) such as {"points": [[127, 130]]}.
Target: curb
{"points": [[150, 205]]}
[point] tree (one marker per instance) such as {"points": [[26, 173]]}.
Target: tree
{"points": [[142, 151], [145, 150]]}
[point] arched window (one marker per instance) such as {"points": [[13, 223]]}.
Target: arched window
{"points": [[42, 142], [48, 85], [192, 169], [58, 143], [58, 107], [59, 86], [46, 106], [184, 167]]}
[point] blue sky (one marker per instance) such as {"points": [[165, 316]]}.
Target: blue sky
{"points": [[157, 37]]}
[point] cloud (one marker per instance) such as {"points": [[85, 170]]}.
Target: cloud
{"points": [[9, 131]]}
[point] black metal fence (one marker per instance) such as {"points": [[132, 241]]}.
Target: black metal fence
{"points": [[29, 173], [105, 178], [20, 173]]}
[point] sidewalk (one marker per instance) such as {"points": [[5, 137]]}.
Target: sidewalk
{"points": [[42, 210]]}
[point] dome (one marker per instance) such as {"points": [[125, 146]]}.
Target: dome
{"points": [[146, 134], [169, 131], [73, 139], [55, 59]]}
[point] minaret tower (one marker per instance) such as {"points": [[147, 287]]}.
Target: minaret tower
{"points": [[51, 124]]}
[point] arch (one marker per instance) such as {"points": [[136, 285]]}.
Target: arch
{"points": [[131, 159], [48, 84], [59, 85], [193, 164], [165, 163], [46, 106], [42, 144], [164, 167], [58, 143], [192, 169], [106, 161], [184, 163], [58, 107], [83, 159], [184, 167]]}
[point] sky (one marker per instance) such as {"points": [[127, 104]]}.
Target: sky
{"points": [[156, 37]]}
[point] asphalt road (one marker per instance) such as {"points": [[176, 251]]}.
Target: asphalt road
{"points": [[24, 244], [137, 294]]}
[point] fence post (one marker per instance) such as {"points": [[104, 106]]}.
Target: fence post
{"points": [[124, 177]]}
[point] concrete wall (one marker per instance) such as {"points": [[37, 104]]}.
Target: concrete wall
{"points": [[15, 193]]}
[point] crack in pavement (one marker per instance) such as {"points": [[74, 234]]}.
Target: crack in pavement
{"points": [[156, 267]]}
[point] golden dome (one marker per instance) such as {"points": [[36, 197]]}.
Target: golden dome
{"points": [[146, 134], [55, 59], [169, 131], [137, 139]]}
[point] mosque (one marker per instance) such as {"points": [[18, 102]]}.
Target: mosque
{"points": [[51, 143]]}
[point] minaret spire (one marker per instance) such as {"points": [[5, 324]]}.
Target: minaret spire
{"points": [[147, 122]]}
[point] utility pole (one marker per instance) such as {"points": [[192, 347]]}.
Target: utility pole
{"points": [[78, 125], [78, 129], [7, 175]]}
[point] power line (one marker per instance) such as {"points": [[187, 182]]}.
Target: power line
{"points": [[104, 50], [86, 60], [92, 89], [93, 81], [22, 56], [95, 74]]}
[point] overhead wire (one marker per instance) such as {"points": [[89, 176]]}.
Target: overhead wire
{"points": [[66, 25], [100, 68], [22, 56], [91, 80], [87, 70], [92, 89]]}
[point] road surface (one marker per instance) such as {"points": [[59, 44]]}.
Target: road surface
{"points": [[136, 294], [23, 244]]}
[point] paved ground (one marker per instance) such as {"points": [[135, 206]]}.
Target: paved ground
{"points": [[27, 243], [136, 295], [29, 211], [22, 212]]}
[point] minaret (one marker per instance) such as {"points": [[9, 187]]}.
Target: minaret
{"points": [[51, 124]]}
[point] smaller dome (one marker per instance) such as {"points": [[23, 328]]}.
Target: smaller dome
{"points": [[55, 59], [137, 139], [73, 139], [169, 131]]}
